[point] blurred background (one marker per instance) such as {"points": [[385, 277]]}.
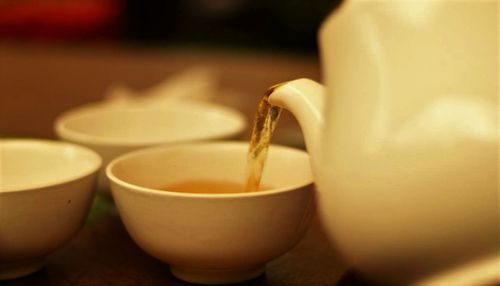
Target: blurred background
{"points": [[276, 25], [59, 54]]}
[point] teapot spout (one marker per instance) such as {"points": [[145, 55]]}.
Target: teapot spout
{"points": [[304, 99]]}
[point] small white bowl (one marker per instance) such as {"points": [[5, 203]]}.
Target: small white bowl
{"points": [[212, 238], [112, 130], [46, 189]]}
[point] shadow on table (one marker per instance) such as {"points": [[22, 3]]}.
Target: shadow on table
{"points": [[351, 278], [104, 254]]}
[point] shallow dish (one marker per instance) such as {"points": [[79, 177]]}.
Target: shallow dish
{"points": [[112, 130]]}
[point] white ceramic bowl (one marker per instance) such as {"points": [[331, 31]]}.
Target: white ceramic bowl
{"points": [[114, 130], [212, 238], [46, 189]]}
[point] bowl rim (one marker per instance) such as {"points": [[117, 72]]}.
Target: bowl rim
{"points": [[63, 131], [150, 191], [96, 158]]}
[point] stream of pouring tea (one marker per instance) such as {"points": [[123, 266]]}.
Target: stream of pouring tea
{"points": [[266, 117]]}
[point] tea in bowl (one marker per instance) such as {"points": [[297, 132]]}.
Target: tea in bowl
{"points": [[184, 204], [46, 189], [112, 129]]}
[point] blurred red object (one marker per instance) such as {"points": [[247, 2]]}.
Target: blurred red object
{"points": [[60, 19]]}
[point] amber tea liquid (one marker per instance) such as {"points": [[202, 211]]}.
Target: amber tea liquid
{"points": [[266, 117], [207, 187]]}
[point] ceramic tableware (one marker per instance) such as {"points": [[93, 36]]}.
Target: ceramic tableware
{"points": [[46, 189], [212, 238]]}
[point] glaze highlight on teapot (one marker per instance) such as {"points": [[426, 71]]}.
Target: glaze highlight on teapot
{"points": [[404, 138]]}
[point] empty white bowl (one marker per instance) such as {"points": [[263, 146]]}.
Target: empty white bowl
{"points": [[212, 238], [112, 130], [46, 189]]}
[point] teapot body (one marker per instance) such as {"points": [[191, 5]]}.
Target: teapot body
{"points": [[406, 161]]}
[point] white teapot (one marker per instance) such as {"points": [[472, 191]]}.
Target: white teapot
{"points": [[404, 138]]}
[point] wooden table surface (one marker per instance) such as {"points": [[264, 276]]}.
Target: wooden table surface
{"points": [[38, 83], [104, 254]]}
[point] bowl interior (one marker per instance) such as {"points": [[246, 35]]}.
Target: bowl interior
{"points": [[157, 168], [178, 121], [27, 164]]}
